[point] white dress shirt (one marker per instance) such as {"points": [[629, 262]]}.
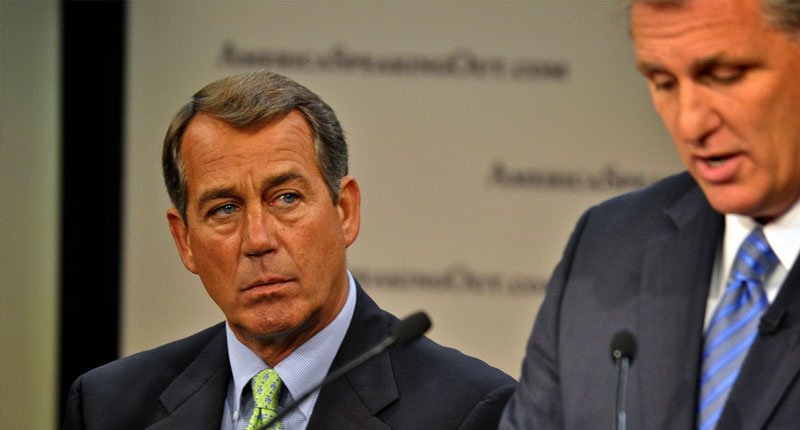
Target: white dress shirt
{"points": [[783, 235]]}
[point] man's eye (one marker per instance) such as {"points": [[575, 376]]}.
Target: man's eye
{"points": [[287, 198], [224, 210], [727, 75], [662, 82]]}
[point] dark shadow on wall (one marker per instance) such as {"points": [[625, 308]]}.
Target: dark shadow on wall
{"points": [[93, 70]]}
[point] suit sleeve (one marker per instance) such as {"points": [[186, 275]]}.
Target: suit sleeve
{"points": [[73, 415], [537, 403], [486, 414]]}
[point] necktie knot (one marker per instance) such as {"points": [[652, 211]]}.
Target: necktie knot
{"points": [[755, 259], [266, 386]]}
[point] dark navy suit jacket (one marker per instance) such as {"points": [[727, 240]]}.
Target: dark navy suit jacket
{"points": [[182, 385], [643, 262]]}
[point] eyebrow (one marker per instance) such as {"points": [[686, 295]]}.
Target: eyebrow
{"points": [[706, 64], [214, 194], [698, 66], [648, 68], [283, 178], [268, 183]]}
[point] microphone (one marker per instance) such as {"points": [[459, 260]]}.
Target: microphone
{"points": [[408, 329], [623, 350]]}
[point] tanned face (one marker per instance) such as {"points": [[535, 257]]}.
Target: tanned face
{"points": [[726, 85], [262, 230]]}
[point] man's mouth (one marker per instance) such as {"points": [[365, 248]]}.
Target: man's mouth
{"points": [[267, 281], [717, 161], [718, 169]]}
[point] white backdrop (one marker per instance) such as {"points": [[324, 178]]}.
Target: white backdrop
{"points": [[479, 131]]}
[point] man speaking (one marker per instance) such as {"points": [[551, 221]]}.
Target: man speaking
{"points": [[701, 267]]}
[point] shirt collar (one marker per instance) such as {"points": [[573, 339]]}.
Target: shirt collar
{"points": [[304, 368], [783, 235]]}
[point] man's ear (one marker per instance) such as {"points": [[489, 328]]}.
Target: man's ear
{"points": [[349, 208], [180, 233]]}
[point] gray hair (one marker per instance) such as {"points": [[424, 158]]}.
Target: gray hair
{"points": [[784, 15], [257, 98]]}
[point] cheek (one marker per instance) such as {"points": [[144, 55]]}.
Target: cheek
{"points": [[784, 127], [773, 138], [665, 108], [215, 257], [319, 251]]}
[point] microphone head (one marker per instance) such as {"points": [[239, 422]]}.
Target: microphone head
{"points": [[411, 327], [623, 345]]}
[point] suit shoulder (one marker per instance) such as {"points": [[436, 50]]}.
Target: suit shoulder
{"points": [[420, 384], [125, 394], [422, 359], [162, 361], [658, 195], [446, 371], [468, 392], [645, 208], [450, 363]]}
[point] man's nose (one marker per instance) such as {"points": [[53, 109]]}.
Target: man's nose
{"points": [[697, 117], [258, 233]]}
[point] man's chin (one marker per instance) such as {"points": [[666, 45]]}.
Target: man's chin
{"points": [[742, 204], [275, 323], [266, 329]]}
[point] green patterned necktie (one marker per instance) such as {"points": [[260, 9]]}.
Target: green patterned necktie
{"points": [[266, 387]]}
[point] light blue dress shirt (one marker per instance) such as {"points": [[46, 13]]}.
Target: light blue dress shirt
{"points": [[300, 371]]}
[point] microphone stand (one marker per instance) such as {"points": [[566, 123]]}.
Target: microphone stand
{"points": [[623, 349], [623, 366], [408, 329], [375, 350]]}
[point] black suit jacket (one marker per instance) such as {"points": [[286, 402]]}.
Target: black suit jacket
{"points": [[643, 262], [182, 385]]}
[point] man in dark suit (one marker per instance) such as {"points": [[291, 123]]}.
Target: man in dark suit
{"points": [[717, 324], [256, 167]]}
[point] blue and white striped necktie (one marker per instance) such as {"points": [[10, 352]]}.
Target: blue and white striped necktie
{"points": [[734, 326]]}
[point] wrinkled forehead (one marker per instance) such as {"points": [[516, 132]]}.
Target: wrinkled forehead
{"points": [[672, 20], [697, 31], [210, 142]]}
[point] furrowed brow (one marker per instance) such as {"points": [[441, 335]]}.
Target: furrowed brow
{"points": [[704, 65], [270, 182], [214, 194], [283, 178]]}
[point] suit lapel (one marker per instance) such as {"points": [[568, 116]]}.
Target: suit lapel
{"points": [[771, 366], [343, 405], [196, 397], [354, 400], [675, 280]]}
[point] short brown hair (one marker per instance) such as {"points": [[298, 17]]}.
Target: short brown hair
{"points": [[250, 99], [784, 15]]}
